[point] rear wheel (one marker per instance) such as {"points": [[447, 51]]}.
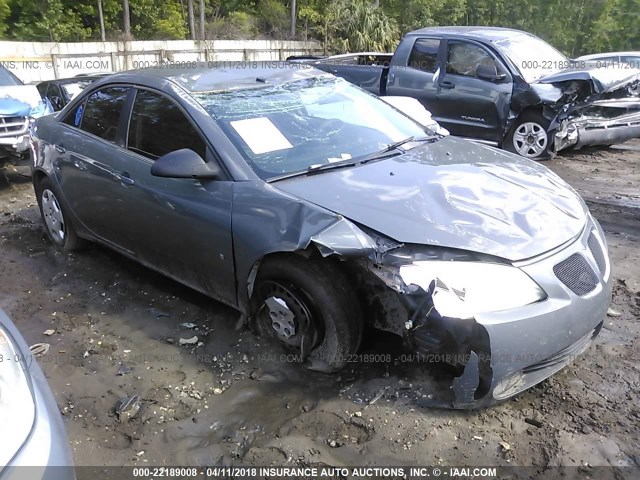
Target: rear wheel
{"points": [[307, 306], [56, 222], [530, 137]]}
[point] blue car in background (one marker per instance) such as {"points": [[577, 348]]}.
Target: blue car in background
{"points": [[20, 105]]}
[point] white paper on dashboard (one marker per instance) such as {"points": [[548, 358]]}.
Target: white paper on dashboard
{"points": [[261, 135]]}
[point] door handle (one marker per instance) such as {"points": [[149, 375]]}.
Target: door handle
{"points": [[60, 149], [125, 179], [448, 85]]}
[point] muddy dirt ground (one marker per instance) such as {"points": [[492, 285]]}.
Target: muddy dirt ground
{"points": [[231, 399]]}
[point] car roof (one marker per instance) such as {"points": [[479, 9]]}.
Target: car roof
{"points": [[492, 34], [202, 77]]}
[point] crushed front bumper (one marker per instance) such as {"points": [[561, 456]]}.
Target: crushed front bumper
{"points": [[525, 345], [588, 130], [14, 134]]}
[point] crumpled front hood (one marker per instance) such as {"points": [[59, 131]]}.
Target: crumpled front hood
{"points": [[604, 79], [453, 193]]}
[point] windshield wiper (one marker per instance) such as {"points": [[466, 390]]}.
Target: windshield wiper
{"points": [[394, 146], [390, 150]]}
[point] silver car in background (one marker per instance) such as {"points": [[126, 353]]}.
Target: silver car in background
{"points": [[33, 442], [624, 60]]}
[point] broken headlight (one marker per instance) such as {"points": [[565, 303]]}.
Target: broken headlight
{"points": [[465, 289], [17, 409]]}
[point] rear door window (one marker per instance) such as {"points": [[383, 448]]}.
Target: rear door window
{"points": [[630, 61], [158, 126], [100, 113], [424, 54]]}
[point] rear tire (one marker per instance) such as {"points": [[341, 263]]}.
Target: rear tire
{"points": [[308, 306], [57, 223], [529, 137]]}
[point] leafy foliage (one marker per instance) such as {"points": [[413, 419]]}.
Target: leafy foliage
{"points": [[574, 26]]}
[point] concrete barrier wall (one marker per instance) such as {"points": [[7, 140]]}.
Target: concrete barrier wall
{"points": [[36, 61]]}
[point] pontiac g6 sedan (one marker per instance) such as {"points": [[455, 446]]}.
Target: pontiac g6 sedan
{"points": [[317, 209]]}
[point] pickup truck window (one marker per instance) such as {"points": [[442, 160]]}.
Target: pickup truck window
{"points": [[424, 54], [464, 58]]}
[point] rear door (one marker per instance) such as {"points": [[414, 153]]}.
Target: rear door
{"points": [[417, 76], [88, 151], [468, 105]]}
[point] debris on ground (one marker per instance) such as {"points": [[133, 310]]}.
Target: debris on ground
{"points": [[39, 349], [128, 408]]}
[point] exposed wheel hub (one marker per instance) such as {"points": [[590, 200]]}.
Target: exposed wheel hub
{"points": [[53, 218], [281, 317], [285, 314]]}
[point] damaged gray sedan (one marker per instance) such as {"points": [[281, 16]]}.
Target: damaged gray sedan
{"points": [[316, 209]]}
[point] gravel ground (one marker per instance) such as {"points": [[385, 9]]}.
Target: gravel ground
{"points": [[229, 399]]}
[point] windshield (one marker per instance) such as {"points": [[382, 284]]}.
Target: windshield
{"points": [[286, 128], [73, 89], [534, 57]]}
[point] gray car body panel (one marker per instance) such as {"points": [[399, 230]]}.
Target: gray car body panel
{"points": [[47, 449], [452, 195]]}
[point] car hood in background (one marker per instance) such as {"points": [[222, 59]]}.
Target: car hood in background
{"points": [[22, 101], [604, 79], [453, 193]]}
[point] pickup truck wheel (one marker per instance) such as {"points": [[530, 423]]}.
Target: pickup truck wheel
{"points": [[307, 306], [530, 138], [56, 222]]}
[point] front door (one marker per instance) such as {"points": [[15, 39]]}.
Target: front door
{"points": [[182, 226], [471, 106]]}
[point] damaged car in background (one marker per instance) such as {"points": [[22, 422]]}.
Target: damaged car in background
{"points": [[20, 105], [503, 87], [318, 210]]}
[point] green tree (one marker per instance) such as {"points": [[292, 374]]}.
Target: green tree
{"points": [[48, 20], [5, 11], [352, 26], [157, 19]]}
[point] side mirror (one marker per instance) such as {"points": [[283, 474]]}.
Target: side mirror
{"points": [[489, 72], [184, 163]]}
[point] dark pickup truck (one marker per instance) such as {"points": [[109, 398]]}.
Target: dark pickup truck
{"points": [[502, 86]]}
